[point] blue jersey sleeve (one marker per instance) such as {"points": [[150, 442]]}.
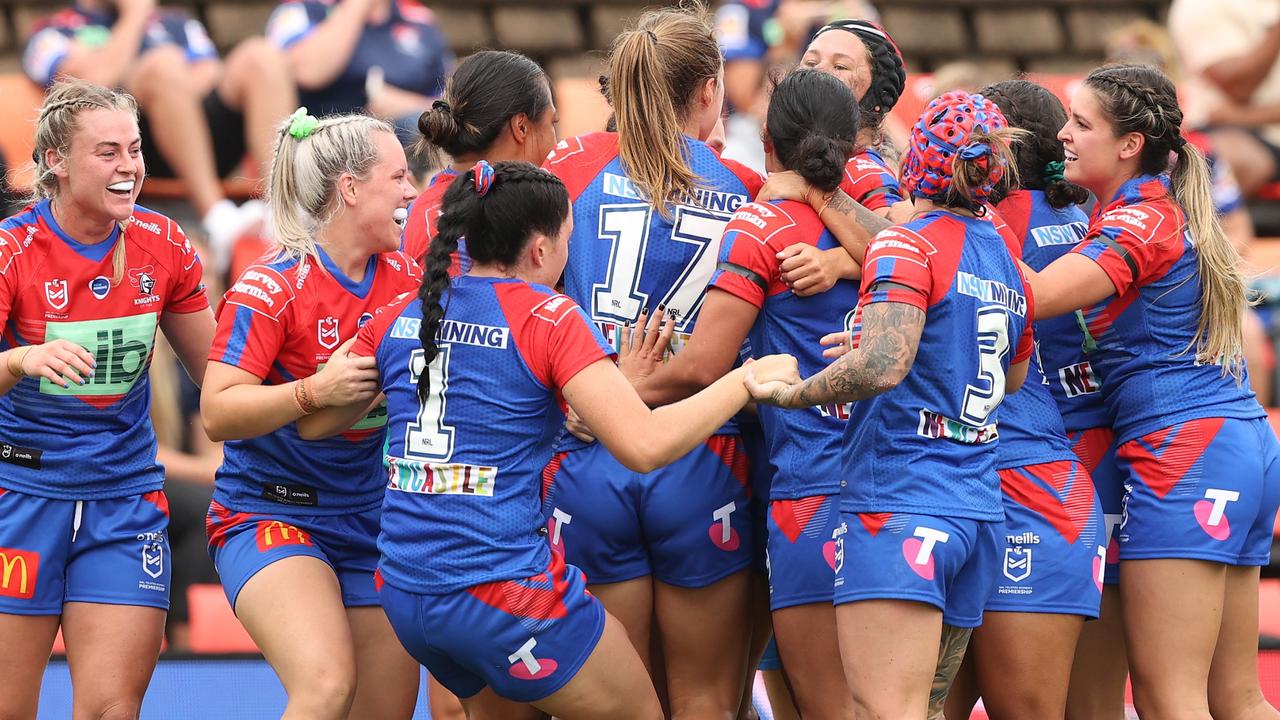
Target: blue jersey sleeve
{"points": [[289, 23], [44, 54]]}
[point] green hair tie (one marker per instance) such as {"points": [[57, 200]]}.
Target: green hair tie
{"points": [[1055, 172], [301, 125]]}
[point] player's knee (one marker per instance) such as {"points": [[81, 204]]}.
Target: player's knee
{"points": [[1166, 704], [257, 56], [326, 692], [119, 708]]}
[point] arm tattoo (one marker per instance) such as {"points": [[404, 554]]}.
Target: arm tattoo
{"points": [[846, 205], [887, 348], [950, 654]]}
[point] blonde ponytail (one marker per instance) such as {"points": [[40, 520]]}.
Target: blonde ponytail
{"points": [[656, 72], [1219, 337], [302, 192]]}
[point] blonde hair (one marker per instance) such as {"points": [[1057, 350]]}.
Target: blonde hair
{"points": [[302, 189], [1141, 99], [655, 73], [58, 123], [971, 179]]}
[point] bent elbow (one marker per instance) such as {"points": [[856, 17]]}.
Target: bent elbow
{"points": [[214, 429]]}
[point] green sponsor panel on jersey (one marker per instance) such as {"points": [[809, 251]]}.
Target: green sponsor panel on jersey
{"points": [[121, 347]]}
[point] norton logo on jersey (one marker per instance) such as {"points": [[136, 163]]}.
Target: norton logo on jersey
{"points": [[55, 291], [100, 286], [991, 291], [18, 573], [440, 479], [121, 347]]}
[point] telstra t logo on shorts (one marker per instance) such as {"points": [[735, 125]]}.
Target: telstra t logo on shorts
{"points": [[918, 550], [721, 531], [1211, 512], [524, 666]]}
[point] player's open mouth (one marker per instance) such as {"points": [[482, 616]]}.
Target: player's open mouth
{"points": [[123, 188], [401, 216], [1071, 157]]}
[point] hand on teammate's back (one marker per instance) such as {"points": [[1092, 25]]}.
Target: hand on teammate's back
{"points": [[804, 268], [785, 185], [346, 379], [644, 345]]}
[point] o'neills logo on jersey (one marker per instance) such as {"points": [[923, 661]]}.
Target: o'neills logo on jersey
{"points": [[440, 479], [55, 292], [935, 427], [327, 332], [153, 227]]}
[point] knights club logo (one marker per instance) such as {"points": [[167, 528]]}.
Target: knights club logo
{"points": [[55, 291], [327, 332], [143, 278]]}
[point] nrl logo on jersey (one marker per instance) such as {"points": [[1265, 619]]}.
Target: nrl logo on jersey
{"points": [[55, 291], [327, 332]]}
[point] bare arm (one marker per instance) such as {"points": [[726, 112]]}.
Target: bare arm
{"points": [[1016, 376], [885, 353], [234, 404], [190, 335], [59, 361], [644, 439], [1239, 77], [332, 420], [317, 59], [108, 64], [1069, 283]]}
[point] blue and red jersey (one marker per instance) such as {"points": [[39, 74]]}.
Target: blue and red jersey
{"points": [[1047, 233], [928, 445], [1031, 430], [804, 445], [408, 47], [624, 255], [281, 321], [869, 180], [1145, 333], [52, 37], [463, 502], [420, 228], [92, 441]]}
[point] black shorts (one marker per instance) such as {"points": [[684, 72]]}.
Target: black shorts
{"points": [[226, 127]]}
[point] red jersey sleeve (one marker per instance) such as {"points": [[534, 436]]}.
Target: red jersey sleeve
{"points": [[553, 334], [252, 321], [10, 249], [1015, 210], [1026, 343], [1135, 244], [748, 266], [872, 184], [900, 256], [188, 293]]}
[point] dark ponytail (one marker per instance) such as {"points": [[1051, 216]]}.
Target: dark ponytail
{"points": [[813, 124], [497, 215], [486, 91], [1039, 155]]}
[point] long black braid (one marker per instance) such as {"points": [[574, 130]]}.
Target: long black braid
{"points": [[497, 218]]}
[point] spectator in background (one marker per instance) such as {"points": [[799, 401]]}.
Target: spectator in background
{"points": [[384, 56], [1229, 49], [199, 113], [755, 34]]}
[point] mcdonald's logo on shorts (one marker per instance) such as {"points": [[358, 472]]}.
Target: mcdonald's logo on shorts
{"points": [[18, 569], [274, 533]]}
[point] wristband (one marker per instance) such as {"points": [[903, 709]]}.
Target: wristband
{"points": [[14, 361]]}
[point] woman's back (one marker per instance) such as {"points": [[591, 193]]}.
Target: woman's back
{"points": [[465, 465]]}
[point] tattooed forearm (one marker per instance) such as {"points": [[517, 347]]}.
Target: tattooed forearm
{"points": [[886, 350], [846, 206], [950, 655]]}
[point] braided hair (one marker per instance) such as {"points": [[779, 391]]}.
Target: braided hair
{"points": [[1039, 156], [497, 208], [888, 71], [1141, 99]]}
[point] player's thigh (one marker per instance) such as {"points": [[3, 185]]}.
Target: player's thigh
{"points": [[28, 639], [386, 676], [612, 683], [890, 653], [1023, 660], [111, 653]]}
